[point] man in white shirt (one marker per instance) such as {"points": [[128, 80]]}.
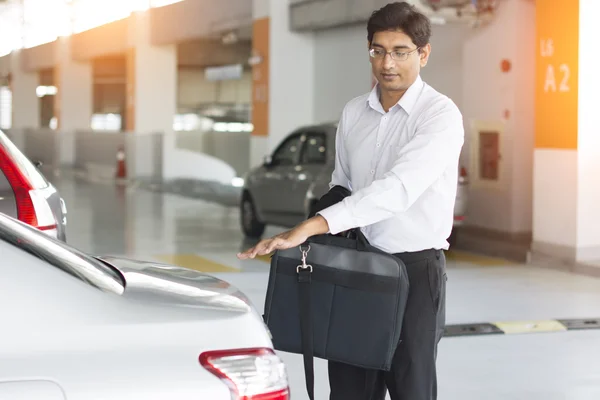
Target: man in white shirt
{"points": [[397, 151]]}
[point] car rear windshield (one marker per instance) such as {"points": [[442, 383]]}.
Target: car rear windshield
{"points": [[35, 177], [60, 255]]}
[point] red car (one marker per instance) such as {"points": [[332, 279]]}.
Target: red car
{"points": [[25, 194]]}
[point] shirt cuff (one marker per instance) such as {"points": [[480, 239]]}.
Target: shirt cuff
{"points": [[338, 218]]}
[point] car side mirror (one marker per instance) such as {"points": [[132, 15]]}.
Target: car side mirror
{"points": [[38, 164], [268, 161]]}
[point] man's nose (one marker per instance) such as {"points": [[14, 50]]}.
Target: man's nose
{"points": [[388, 61]]}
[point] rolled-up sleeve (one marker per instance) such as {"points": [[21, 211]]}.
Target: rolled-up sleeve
{"points": [[436, 145]]}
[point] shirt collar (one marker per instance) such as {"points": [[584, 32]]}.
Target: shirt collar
{"points": [[407, 101]]}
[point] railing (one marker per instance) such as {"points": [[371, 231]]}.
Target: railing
{"points": [[218, 156]]}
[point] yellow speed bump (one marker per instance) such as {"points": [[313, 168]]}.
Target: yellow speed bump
{"points": [[517, 327]]}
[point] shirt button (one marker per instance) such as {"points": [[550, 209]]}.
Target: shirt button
{"points": [[378, 144], [372, 171]]}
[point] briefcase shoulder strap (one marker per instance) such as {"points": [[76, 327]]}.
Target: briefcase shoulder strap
{"points": [[306, 328]]}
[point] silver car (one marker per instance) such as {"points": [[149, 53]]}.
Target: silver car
{"points": [[76, 327], [27, 195], [284, 190]]}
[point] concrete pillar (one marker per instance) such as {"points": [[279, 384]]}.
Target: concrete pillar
{"points": [[498, 107], [25, 103], [151, 101], [567, 144], [283, 78], [73, 105], [5, 120], [151, 80]]}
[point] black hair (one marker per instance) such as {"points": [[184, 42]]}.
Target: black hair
{"points": [[400, 16]]}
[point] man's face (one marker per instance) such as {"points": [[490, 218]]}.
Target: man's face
{"points": [[394, 69]]}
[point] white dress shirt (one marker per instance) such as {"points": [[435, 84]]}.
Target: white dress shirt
{"points": [[402, 169]]}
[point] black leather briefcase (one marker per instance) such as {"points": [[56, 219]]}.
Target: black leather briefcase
{"points": [[338, 299]]}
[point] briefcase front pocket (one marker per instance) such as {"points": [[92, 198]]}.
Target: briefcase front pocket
{"points": [[363, 326]]}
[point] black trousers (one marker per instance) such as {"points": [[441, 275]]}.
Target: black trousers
{"points": [[413, 373]]}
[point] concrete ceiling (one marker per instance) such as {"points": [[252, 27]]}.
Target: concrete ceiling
{"points": [[192, 19], [312, 15]]}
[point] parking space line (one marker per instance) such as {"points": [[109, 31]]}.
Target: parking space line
{"points": [[477, 259], [266, 258], [195, 262]]}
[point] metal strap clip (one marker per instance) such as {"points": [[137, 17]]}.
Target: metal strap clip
{"points": [[304, 266]]}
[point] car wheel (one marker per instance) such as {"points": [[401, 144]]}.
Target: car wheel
{"points": [[251, 226]]}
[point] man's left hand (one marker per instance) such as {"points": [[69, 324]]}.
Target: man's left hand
{"points": [[286, 240]]}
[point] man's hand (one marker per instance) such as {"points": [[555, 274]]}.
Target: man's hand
{"points": [[292, 238]]}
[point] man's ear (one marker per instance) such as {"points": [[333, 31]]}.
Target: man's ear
{"points": [[424, 54]]}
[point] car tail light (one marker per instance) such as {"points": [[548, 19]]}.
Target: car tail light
{"points": [[250, 374], [463, 176], [32, 207]]}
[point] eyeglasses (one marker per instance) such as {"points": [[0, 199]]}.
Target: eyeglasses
{"points": [[380, 54]]}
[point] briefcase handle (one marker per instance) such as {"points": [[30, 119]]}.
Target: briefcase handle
{"points": [[359, 243]]}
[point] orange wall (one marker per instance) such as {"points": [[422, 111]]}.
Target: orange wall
{"points": [[260, 80], [130, 91], [556, 74]]}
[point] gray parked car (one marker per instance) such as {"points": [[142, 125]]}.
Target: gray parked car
{"points": [[25, 194], [284, 190]]}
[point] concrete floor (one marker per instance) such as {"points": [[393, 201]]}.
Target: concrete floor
{"points": [[105, 219]]}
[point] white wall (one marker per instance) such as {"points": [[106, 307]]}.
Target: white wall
{"points": [[588, 214], [523, 116], [444, 71], [484, 100], [342, 70], [487, 94], [291, 81]]}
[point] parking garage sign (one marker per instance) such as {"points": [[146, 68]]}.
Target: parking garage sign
{"points": [[564, 71], [557, 53]]}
